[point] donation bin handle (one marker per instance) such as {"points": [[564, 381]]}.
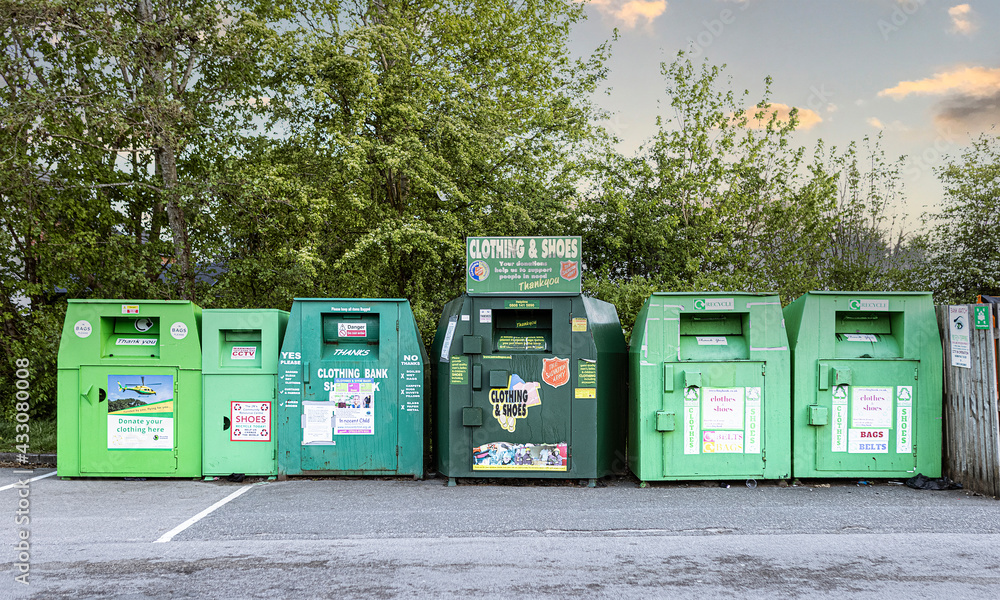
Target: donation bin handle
{"points": [[86, 395]]}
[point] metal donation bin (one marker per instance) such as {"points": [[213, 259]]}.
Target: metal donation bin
{"points": [[530, 374], [866, 380], [240, 370], [350, 389], [129, 399], [710, 388]]}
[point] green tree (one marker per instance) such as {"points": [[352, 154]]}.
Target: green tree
{"points": [[115, 118], [718, 199], [422, 123], [964, 236]]}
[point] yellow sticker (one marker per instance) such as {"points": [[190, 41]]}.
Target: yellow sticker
{"points": [[579, 324], [586, 392]]}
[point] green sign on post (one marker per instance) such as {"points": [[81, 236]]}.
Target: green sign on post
{"points": [[982, 316], [523, 265]]}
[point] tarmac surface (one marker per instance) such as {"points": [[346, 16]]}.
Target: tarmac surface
{"points": [[399, 538]]}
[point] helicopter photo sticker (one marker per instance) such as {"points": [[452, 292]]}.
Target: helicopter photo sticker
{"points": [[140, 412]]}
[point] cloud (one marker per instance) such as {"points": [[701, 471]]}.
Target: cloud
{"points": [[969, 112], [961, 19], [969, 81], [970, 96], [630, 12], [807, 118], [875, 123]]}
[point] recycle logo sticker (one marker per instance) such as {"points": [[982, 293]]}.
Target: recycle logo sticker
{"points": [[903, 392], [699, 304], [691, 393], [840, 392]]}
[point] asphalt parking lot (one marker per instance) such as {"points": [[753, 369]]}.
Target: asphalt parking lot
{"points": [[389, 538]]}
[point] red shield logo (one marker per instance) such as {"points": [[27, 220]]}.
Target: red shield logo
{"points": [[568, 269], [555, 371]]}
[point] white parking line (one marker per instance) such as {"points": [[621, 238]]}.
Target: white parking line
{"points": [[7, 487], [166, 537]]}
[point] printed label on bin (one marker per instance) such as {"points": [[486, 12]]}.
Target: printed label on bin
{"points": [[722, 442], [82, 329], [244, 353], [871, 407], [135, 342], [485, 315], [512, 403], [867, 304], [839, 419], [579, 324], [752, 431], [140, 412], [350, 330], [130, 309], [354, 406], [692, 443], [722, 408], [555, 371], [250, 421], [714, 304], [584, 393], [904, 419], [179, 330], [507, 456], [868, 441], [859, 337], [719, 340]]}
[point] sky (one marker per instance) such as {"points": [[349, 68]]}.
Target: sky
{"points": [[924, 73]]}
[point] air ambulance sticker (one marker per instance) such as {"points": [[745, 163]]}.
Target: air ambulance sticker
{"points": [[555, 371]]}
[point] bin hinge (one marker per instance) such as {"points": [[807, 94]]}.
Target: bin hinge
{"points": [[916, 372], [397, 324], [763, 368]]}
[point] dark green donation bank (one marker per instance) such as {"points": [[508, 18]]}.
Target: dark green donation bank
{"points": [[350, 389], [529, 373]]}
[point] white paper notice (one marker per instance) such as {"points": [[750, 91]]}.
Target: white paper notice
{"points": [[485, 315], [958, 324], [722, 408], [868, 441], [317, 422], [871, 407], [449, 335]]}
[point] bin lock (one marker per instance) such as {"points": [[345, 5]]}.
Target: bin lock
{"points": [[665, 421]]}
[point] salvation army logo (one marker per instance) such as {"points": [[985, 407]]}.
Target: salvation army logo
{"points": [[479, 270], [555, 371], [568, 270]]}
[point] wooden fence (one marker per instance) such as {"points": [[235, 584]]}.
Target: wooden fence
{"points": [[971, 411]]}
